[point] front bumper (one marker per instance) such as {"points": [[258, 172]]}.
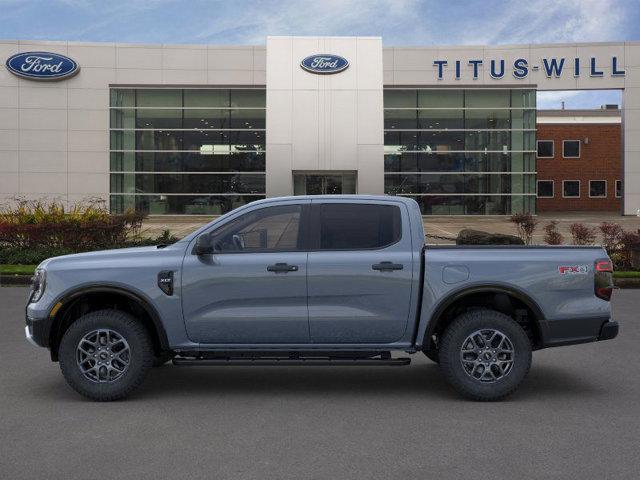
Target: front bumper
{"points": [[29, 335], [37, 331]]}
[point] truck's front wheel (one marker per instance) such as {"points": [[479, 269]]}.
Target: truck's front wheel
{"points": [[433, 355], [105, 355], [485, 354]]}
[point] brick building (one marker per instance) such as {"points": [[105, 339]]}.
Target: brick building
{"points": [[579, 160]]}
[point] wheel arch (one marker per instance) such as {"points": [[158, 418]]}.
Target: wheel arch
{"points": [[88, 298], [493, 295]]}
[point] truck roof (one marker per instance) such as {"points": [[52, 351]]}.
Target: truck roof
{"points": [[338, 197]]}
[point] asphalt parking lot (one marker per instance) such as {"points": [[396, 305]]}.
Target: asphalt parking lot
{"points": [[576, 416]]}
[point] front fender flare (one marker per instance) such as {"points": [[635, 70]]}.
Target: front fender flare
{"points": [[70, 296]]}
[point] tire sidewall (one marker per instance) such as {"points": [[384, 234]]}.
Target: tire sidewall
{"points": [[458, 332], [140, 354]]}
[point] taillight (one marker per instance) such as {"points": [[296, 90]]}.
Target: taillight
{"points": [[603, 279], [604, 266]]}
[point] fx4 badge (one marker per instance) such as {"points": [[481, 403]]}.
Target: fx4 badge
{"points": [[573, 270]]}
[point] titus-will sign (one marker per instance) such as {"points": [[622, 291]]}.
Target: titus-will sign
{"points": [[42, 66]]}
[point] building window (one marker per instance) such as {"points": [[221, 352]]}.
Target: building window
{"points": [[461, 151], [186, 151], [324, 183], [597, 188], [618, 188], [571, 149], [545, 188], [571, 188], [545, 149]]}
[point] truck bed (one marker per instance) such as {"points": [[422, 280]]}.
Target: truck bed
{"points": [[556, 282]]}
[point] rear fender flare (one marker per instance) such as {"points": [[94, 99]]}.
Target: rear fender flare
{"points": [[428, 327]]}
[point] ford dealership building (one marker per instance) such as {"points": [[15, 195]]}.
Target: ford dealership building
{"points": [[202, 129]]}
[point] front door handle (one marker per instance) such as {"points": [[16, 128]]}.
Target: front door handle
{"points": [[387, 266], [282, 267]]}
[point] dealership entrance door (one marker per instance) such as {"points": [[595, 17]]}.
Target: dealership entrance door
{"points": [[324, 183]]}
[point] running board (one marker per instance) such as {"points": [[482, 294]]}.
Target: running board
{"points": [[262, 361]]}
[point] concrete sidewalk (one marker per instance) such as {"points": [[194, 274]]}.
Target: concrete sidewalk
{"points": [[446, 226]]}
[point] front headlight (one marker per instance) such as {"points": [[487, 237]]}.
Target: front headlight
{"points": [[38, 284]]}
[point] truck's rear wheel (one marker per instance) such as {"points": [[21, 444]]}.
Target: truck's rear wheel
{"points": [[105, 355], [485, 354]]}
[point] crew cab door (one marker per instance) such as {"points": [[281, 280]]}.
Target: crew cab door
{"points": [[252, 288], [359, 271]]}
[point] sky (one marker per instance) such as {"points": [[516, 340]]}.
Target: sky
{"points": [[399, 22]]}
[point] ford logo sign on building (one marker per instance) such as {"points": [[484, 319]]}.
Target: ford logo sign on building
{"points": [[324, 63], [42, 66]]}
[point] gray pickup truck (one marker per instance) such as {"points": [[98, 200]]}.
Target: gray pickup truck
{"points": [[322, 280]]}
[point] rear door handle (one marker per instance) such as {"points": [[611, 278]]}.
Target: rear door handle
{"points": [[387, 266], [282, 267]]}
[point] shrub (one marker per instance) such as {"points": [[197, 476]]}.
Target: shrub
{"points": [[165, 238], [551, 234], [525, 225], [468, 236], [33, 256], [582, 234], [611, 234], [629, 249], [30, 256], [82, 227]]}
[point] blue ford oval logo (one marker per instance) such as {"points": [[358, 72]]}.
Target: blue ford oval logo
{"points": [[42, 66], [324, 63]]}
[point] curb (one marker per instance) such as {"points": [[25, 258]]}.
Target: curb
{"points": [[627, 282], [15, 280]]}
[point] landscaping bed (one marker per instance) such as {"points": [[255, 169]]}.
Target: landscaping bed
{"points": [[33, 231]]}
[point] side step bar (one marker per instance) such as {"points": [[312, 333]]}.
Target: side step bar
{"points": [[266, 361]]}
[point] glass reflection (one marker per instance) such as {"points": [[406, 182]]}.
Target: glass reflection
{"points": [[167, 145], [461, 151]]}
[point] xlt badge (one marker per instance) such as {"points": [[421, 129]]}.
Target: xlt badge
{"points": [[165, 282]]}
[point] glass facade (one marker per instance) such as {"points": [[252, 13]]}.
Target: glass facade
{"points": [[186, 151], [202, 150], [324, 183], [462, 151]]}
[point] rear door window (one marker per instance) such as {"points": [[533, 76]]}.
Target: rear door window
{"points": [[352, 226]]}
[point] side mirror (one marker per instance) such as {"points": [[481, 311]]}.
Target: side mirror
{"points": [[203, 245]]}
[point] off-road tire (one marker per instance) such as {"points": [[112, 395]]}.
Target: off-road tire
{"points": [[140, 358], [451, 347]]}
